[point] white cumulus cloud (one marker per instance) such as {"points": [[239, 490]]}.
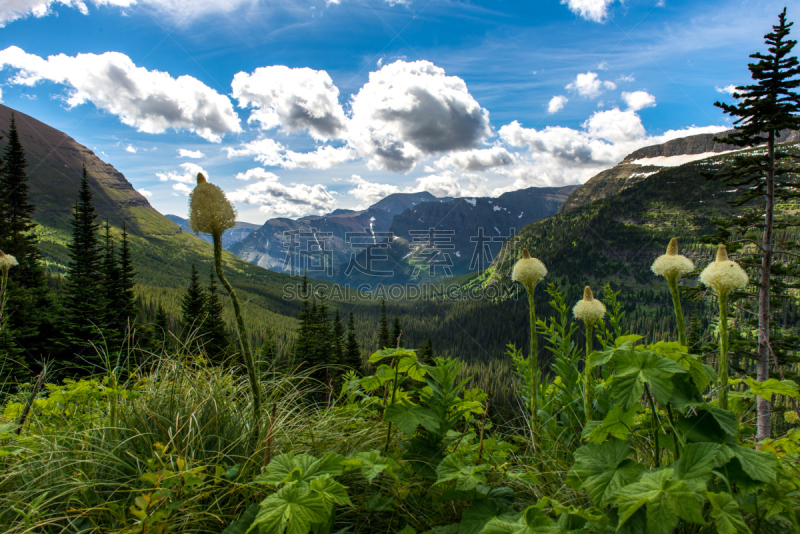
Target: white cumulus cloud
{"points": [[11, 10], [150, 101], [273, 154], [370, 192], [638, 100], [728, 89], [594, 10], [192, 154], [588, 85], [292, 99], [277, 199], [183, 189], [411, 110], [144, 192], [130, 148], [187, 174], [479, 159], [556, 155], [557, 103]]}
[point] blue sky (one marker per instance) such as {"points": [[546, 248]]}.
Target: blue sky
{"points": [[296, 108]]}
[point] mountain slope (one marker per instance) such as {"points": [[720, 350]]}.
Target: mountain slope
{"points": [[163, 253], [647, 160]]}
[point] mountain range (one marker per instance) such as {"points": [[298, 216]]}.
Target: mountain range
{"points": [[607, 230]]}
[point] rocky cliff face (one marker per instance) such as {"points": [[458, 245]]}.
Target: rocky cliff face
{"points": [[55, 165]]}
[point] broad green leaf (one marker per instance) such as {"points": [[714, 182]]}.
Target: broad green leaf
{"points": [[697, 371], [372, 464], [292, 509], [241, 525], [300, 468], [761, 466], [331, 492], [637, 368], [532, 521], [630, 339], [467, 477], [617, 424], [603, 469], [481, 512], [726, 419], [726, 514], [391, 353], [773, 386], [407, 417], [698, 460], [666, 500]]}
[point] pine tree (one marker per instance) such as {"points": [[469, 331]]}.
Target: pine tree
{"points": [[352, 350], [763, 110], [267, 355], [127, 310], [83, 304], [337, 340], [193, 306], [426, 353], [161, 326], [214, 335], [383, 333], [397, 331], [29, 308], [111, 290]]}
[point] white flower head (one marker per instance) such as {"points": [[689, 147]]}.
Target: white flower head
{"points": [[672, 265], [209, 211], [589, 309], [6, 262], [724, 275], [528, 271]]}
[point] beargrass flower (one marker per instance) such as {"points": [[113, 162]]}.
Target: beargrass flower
{"points": [[723, 276], [210, 211], [672, 266], [529, 271], [589, 310], [7, 261]]}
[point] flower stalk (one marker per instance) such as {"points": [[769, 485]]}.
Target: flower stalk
{"points": [[210, 212], [529, 271], [723, 276], [672, 266], [589, 310]]}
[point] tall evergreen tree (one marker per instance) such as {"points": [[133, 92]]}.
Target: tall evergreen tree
{"points": [[83, 310], [127, 310], [383, 331], [214, 335], [426, 353], [397, 331], [352, 349], [303, 342], [337, 340], [161, 329], [29, 308], [193, 305], [762, 111], [111, 291]]}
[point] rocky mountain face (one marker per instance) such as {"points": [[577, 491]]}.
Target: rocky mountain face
{"points": [[55, 165], [311, 242], [229, 237], [648, 160]]}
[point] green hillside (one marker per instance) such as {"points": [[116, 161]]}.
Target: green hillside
{"points": [[163, 253]]}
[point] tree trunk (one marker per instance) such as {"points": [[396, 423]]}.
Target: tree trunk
{"points": [[763, 426]]}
